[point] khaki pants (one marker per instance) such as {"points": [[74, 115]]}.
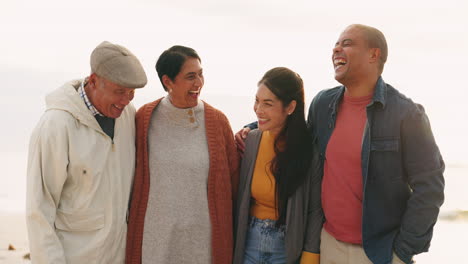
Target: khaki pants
{"points": [[333, 251]]}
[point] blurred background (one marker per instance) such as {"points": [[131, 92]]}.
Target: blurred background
{"points": [[47, 43]]}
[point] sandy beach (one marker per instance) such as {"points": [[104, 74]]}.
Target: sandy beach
{"points": [[13, 232], [448, 245]]}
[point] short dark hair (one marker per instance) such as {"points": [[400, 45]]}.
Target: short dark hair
{"points": [[171, 60], [375, 39]]}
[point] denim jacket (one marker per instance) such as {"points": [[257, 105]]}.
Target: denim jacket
{"points": [[402, 171]]}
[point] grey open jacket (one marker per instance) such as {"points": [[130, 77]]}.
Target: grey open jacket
{"points": [[304, 217]]}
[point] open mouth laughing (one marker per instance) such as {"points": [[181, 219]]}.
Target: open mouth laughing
{"points": [[262, 121], [195, 93], [120, 108], [338, 62]]}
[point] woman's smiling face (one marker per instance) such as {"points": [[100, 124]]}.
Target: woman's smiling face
{"points": [[185, 89], [271, 113]]}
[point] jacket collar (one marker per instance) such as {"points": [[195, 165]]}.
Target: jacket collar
{"points": [[67, 98], [380, 93]]}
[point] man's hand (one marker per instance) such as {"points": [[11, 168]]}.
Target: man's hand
{"points": [[240, 138]]}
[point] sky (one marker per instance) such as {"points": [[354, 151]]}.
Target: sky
{"points": [[47, 43]]}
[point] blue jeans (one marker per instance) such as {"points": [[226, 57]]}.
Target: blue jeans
{"points": [[264, 243]]}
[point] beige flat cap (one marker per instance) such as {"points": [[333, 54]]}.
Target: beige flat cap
{"points": [[118, 65]]}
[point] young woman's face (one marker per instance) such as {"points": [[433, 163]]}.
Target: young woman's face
{"points": [[271, 113]]}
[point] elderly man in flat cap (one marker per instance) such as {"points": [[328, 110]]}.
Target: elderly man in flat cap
{"points": [[81, 163]]}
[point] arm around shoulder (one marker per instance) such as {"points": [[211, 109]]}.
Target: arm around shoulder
{"points": [[233, 156]]}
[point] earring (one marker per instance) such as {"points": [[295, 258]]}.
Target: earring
{"points": [[170, 91]]}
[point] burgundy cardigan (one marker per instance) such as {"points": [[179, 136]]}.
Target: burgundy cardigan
{"points": [[223, 178]]}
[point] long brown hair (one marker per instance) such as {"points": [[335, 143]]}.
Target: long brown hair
{"points": [[293, 145]]}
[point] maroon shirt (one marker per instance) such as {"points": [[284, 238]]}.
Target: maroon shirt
{"points": [[342, 179]]}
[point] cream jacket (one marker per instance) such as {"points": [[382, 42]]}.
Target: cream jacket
{"points": [[78, 183]]}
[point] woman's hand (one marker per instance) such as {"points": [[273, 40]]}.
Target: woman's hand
{"points": [[239, 138]]}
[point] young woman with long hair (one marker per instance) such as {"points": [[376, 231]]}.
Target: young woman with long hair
{"points": [[278, 212]]}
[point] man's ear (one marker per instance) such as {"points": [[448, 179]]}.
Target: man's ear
{"points": [[92, 81], [374, 55]]}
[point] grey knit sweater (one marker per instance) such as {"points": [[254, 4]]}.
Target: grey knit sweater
{"points": [[177, 224]]}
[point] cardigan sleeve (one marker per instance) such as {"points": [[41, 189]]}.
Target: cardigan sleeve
{"points": [[233, 157]]}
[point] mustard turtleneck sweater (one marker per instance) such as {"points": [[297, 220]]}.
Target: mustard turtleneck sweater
{"points": [[263, 189]]}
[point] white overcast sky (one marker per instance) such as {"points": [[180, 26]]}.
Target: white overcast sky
{"points": [[46, 43]]}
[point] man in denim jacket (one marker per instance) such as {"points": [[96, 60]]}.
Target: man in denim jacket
{"points": [[383, 173], [402, 180]]}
